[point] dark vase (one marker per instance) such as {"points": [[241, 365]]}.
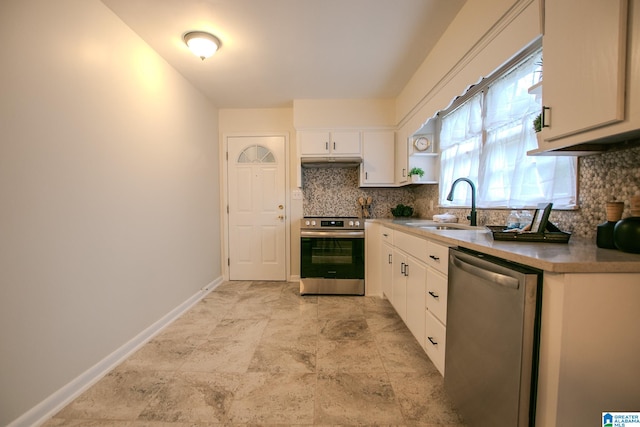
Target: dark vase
{"points": [[626, 234], [604, 236]]}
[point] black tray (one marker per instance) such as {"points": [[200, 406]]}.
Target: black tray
{"points": [[552, 234]]}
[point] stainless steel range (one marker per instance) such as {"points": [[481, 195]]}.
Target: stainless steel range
{"points": [[332, 256]]}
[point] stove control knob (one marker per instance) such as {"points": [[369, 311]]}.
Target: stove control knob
{"points": [[313, 223], [350, 223], [307, 223], [357, 223]]}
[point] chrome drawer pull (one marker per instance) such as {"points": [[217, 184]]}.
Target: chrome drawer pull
{"points": [[432, 341], [433, 294]]}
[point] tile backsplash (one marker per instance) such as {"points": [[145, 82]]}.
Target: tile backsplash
{"points": [[602, 177]]}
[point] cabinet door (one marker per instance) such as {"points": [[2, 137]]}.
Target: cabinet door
{"points": [[435, 343], [345, 143], [437, 295], [378, 159], [438, 257], [314, 143], [402, 160], [584, 66], [386, 266], [399, 282], [416, 290]]}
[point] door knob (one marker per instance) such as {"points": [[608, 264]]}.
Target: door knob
{"points": [[280, 216], [280, 207]]}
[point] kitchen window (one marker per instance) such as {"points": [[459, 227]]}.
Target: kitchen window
{"points": [[485, 136]]}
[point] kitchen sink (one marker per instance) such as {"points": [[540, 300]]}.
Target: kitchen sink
{"points": [[432, 225], [442, 227]]}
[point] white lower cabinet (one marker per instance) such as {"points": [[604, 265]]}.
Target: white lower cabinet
{"points": [[416, 272], [436, 317], [436, 341], [408, 278], [436, 302], [399, 283], [414, 279], [386, 263], [437, 295]]}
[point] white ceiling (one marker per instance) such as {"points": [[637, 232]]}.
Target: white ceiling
{"points": [[275, 51]]}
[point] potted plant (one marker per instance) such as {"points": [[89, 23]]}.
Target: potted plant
{"points": [[402, 211], [415, 174], [537, 126], [537, 123]]}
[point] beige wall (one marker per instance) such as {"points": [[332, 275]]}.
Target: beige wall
{"points": [[270, 121], [483, 36], [343, 113], [109, 212]]}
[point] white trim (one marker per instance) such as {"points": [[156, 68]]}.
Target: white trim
{"points": [[47, 408], [224, 196]]}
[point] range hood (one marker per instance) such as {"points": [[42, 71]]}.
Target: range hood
{"points": [[330, 162]]}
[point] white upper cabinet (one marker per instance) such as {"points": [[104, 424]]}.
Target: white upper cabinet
{"points": [[590, 72], [377, 159], [402, 157], [330, 143]]}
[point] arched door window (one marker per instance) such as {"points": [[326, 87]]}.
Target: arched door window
{"points": [[256, 154]]}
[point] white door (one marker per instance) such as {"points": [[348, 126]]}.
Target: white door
{"points": [[256, 185]]}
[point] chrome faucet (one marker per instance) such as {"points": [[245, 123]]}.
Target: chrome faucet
{"points": [[473, 217]]}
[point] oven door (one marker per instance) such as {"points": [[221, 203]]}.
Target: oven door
{"points": [[332, 262]]}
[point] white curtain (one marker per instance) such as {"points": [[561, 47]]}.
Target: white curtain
{"points": [[460, 144], [506, 177]]}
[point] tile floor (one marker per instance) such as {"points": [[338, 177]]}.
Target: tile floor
{"points": [[258, 353]]}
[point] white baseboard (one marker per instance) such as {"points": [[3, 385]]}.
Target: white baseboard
{"points": [[65, 395]]}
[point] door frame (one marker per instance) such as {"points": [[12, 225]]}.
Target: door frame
{"points": [[224, 198]]}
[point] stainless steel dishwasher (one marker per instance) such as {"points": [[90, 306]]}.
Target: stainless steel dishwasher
{"points": [[492, 339]]}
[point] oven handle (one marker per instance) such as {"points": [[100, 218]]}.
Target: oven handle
{"points": [[334, 234]]}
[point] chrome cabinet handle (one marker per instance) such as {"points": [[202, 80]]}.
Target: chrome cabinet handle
{"points": [[402, 267], [390, 261], [435, 258], [432, 341], [406, 270], [433, 294]]}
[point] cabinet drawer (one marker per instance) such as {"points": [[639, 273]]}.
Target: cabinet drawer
{"points": [[437, 295], [435, 342], [386, 234], [438, 256], [413, 245]]}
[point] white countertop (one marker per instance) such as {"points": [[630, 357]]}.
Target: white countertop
{"points": [[577, 256]]}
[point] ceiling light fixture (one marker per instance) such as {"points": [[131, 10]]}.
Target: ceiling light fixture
{"points": [[202, 44]]}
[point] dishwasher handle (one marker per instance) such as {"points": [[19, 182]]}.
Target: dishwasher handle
{"points": [[483, 273]]}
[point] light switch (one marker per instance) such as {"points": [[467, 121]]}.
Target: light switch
{"points": [[296, 194]]}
